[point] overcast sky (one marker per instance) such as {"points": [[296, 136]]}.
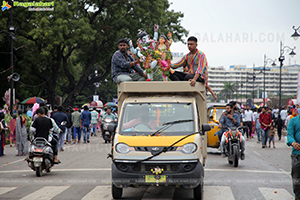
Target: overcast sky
{"points": [[240, 32]]}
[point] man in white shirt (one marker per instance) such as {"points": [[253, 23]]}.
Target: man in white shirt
{"points": [[248, 118], [275, 112], [283, 113]]}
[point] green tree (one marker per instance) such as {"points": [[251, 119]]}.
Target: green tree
{"points": [[57, 51], [228, 89]]}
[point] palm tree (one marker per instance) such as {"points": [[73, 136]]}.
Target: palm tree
{"points": [[229, 88]]}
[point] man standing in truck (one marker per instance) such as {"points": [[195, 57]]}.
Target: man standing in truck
{"points": [[123, 65], [196, 64]]}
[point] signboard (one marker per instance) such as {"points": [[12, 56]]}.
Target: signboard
{"points": [[264, 96], [115, 100], [96, 98]]}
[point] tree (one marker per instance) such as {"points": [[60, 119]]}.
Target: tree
{"points": [[57, 51], [228, 89]]}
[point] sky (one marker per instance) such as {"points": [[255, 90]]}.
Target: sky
{"points": [[240, 32]]}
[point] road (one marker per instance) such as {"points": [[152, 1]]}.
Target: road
{"points": [[85, 174]]}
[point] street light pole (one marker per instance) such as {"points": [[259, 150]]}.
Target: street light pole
{"points": [[11, 28], [281, 59], [265, 63]]}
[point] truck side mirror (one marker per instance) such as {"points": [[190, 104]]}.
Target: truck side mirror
{"points": [[205, 128]]}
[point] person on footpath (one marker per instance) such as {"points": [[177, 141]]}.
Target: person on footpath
{"points": [[75, 118], [3, 128], [68, 134], [265, 121], [21, 135], [293, 139], [123, 64], [60, 117], [94, 118], [85, 124], [248, 118]]}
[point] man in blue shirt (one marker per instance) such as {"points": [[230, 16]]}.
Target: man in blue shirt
{"points": [[60, 117], [231, 119], [85, 124], [293, 139]]}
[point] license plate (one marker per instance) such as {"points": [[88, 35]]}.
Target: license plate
{"points": [[38, 150], [37, 159], [152, 179]]}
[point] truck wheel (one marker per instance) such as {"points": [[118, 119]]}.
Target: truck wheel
{"points": [[235, 156], [198, 191], [38, 171], [116, 192]]}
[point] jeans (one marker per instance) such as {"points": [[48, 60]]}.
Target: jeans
{"points": [[249, 131], [68, 134], [264, 136], [61, 140], [296, 174], [86, 132], [76, 132], [94, 129], [258, 132]]}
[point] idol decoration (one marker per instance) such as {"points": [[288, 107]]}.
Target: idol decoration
{"points": [[153, 53]]}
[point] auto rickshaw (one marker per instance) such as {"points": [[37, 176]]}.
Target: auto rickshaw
{"points": [[214, 112]]}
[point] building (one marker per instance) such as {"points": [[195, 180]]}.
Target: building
{"points": [[243, 76]]}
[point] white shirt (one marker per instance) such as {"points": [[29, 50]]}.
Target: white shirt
{"points": [[283, 114], [275, 112], [248, 116]]}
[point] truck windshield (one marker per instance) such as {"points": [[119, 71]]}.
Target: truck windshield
{"points": [[146, 118]]}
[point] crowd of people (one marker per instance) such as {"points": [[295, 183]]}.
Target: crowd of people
{"points": [[67, 124]]}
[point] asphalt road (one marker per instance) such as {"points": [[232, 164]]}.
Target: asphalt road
{"points": [[85, 174]]}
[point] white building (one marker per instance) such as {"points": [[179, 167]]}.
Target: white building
{"points": [[244, 77]]}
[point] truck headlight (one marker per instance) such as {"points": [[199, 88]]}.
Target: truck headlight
{"points": [[123, 148], [188, 148]]}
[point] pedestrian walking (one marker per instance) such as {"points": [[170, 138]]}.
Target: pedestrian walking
{"points": [[21, 135], [272, 136], [61, 119], [265, 120], [12, 130], [68, 127], [258, 125], [279, 125], [85, 124], [75, 118], [293, 139], [94, 119], [3, 128], [248, 118]]}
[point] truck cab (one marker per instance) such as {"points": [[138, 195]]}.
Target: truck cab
{"points": [[161, 138]]}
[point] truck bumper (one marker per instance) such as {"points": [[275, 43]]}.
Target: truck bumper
{"points": [[187, 175]]}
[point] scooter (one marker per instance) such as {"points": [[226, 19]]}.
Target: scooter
{"points": [[233, 144], [109, 128], [40, 156]]}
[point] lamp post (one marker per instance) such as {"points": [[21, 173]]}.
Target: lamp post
{"points": [[95, 76], [266, 60], [281, 59], [295, 35]]}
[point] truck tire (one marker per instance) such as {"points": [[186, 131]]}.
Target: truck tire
{"points": [[198, 191], [235, 156], [116, 192]]}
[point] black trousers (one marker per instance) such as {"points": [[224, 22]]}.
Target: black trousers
{"points": [[249, 125], [54, 146], [296, 174], [182, 76]]}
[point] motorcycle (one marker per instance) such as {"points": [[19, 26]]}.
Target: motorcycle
{"points": [[233, 138], [40, 156], [109, 128]]}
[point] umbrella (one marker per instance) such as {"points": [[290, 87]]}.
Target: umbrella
{"points": [[111, 104], [86, 104], [33, 100], [255, 106]]}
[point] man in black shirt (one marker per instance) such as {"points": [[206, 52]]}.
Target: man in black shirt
{"points": [[42, 125]]}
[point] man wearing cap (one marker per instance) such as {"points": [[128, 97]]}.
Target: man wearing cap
{"points": [[75, 118], [123, 64]]}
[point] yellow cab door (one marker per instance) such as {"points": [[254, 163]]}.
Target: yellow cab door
{"points": [[214, 115]]}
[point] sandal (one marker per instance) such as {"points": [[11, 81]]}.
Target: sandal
{"points": [[57, 162]]}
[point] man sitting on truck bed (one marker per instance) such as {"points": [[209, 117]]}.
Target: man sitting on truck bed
{"points": [[196, 64], [122, 65]]}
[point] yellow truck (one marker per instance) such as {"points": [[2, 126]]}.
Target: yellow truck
{"points": [[161, 137]]}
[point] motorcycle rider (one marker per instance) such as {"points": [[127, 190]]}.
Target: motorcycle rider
{"points": [[107, 115], [231, 119], [41, 126]]}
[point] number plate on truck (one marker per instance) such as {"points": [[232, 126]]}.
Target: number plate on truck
{"points": [[152, 179]]}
